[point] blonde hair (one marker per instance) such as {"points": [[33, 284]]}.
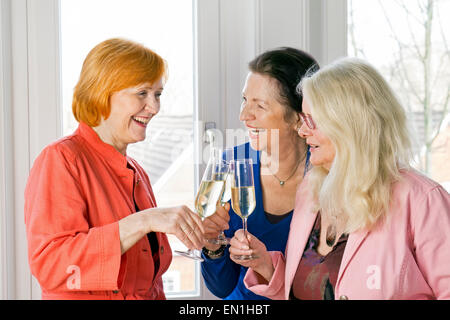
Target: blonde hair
{"points": [[111, 66], [356, 109]]}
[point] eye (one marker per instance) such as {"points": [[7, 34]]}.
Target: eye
{"points": [[143, 93], [158, 95]]}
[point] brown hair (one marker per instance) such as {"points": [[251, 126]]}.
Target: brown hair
{"points": [[287, 66]]}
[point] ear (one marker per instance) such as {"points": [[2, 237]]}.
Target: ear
{"points": [[298, 121]]}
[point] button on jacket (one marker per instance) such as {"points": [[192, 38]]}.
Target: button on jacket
{"points": [[406, 258], [77, 191]]}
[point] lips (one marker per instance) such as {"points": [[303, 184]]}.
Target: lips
{"points": [[141, 120], [254, 132], [312, 146]]}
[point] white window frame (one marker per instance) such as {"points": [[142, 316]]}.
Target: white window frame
{"points": [[6, 177], [229, 33], [30, 92]]}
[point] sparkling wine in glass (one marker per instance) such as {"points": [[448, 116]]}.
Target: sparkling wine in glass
{"points": [[243, 199], [208, 196], [223, 173]]}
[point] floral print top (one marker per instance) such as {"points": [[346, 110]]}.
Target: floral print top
{"points": [[316, 275]]}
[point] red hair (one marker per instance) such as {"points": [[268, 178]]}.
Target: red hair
{"points": [[111, 66]]}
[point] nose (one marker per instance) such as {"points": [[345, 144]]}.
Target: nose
{"points": [[304, 131], [246, 113], [152, 105]]}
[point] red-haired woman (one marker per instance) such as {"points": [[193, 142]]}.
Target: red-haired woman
{"points": [[93, 228]]}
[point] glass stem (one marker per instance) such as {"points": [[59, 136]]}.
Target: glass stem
{"points": [[244, 223]]}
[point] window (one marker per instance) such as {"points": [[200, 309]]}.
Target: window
{"points": [[409, 41], [167, 154]]}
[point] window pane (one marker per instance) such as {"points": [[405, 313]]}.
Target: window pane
{"points": [[409, 41], [167, 154]]}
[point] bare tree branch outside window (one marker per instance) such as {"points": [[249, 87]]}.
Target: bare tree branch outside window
{"points": [[419, 68]]}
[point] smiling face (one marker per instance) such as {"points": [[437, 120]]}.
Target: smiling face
{"points": [[131, 111], [321, 148], [262, 113]]}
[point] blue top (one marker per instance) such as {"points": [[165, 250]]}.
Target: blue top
{"points": [[223, 277]]}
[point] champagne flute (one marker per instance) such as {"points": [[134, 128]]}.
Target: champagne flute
{"points": [[243, 199], [208, 196], [224, 174]]}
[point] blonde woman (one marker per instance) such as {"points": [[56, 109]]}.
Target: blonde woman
{"points": [[366, 225]]}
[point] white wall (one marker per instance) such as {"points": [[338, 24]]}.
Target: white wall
{"points": [[230, 33]]}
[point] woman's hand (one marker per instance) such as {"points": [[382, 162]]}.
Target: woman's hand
{"points": [[215, 224], [179, 221], [262, 264]]}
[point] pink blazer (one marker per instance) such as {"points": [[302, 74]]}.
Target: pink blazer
{"points": [[406, 258]]}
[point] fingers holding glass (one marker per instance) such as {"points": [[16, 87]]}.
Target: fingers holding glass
{"points": [[242, 246], [189, 229], [222, 172], [216, 223], [209, 194]]}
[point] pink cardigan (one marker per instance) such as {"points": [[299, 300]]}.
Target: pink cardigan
{"points": [[406, 258]]}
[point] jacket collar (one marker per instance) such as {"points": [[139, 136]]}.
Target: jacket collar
{"points": [[106, 151], [301, 225], [355, 239]]}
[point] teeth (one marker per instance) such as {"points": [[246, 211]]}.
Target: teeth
{"points": [[142, 120]]}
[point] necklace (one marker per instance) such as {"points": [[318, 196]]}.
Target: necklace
{"points": [[331, 232], [331, 235], [282, 182]]}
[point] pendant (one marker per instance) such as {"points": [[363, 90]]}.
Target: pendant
{"points": [[331, 235], [281, 183]]}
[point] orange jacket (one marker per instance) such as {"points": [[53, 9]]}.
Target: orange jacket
{"points": [[77, 191]]}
